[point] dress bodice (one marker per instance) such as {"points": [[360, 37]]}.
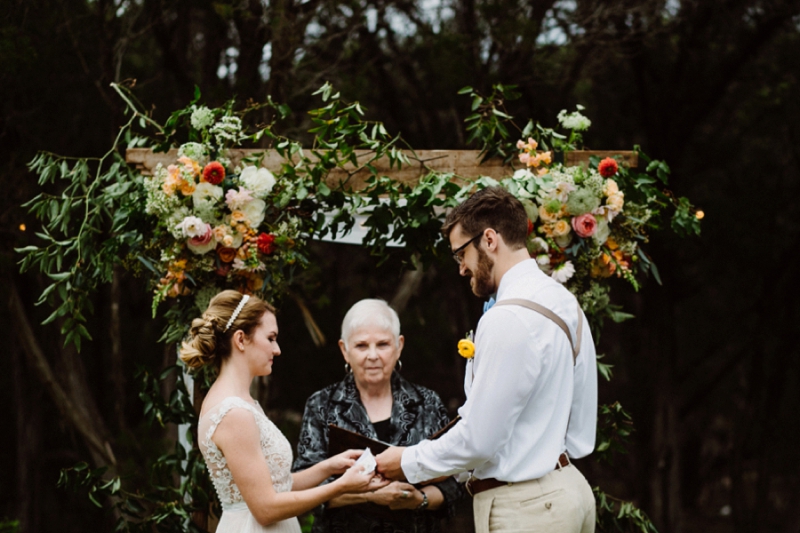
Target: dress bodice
{"points": [[277, 450]]}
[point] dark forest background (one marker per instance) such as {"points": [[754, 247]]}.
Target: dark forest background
{"points": [[709, 368]]}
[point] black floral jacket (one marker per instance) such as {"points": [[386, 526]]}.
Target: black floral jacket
{"points": [[417, 413]]}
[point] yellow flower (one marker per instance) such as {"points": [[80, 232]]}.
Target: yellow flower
{"points": [[611, 188], [466, 348], [187, 188], [561, 228]]}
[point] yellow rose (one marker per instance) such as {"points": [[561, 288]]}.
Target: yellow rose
{"points": [[562, 227], [466, 348]]}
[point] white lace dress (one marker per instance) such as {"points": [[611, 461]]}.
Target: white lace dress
{"points": [[236, 516]]}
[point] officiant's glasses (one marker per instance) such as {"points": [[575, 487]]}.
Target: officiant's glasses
{"points": [[458, 253]]}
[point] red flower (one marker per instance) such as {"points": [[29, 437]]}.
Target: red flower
{"points": [[214, 173], [607, 167], [223, 269], [266, 243], [530, 226]]}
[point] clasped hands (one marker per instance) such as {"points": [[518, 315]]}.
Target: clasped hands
{"points": [[382, 489], [387, 486]]}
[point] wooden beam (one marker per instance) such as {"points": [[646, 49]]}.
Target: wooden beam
{"points": [[463, 163]]}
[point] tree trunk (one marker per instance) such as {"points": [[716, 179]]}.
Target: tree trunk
{"points": [[28, 414], [72, 407]]}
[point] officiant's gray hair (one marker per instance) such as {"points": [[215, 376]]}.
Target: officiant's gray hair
{"points": [[370, 312]]}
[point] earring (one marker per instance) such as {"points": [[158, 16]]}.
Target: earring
{"points": [[347, 369], [399, 365]]}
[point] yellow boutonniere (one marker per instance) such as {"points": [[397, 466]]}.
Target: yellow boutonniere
{"points": [[466, 348]]}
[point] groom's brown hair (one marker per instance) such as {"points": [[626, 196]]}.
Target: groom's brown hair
{"points": [[492, 207]]}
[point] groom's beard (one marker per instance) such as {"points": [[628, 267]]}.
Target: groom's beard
{"points": [[483, 284]]}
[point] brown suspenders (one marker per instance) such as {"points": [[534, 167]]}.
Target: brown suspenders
{"points": [[576, 346]]}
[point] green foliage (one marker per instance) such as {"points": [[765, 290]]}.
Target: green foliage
{"points": [[614, 514], [9, 526], [163, 505], [614, 427], [88, 199]]}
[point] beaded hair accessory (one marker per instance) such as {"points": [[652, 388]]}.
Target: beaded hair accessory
{"points": [[236, 312]]}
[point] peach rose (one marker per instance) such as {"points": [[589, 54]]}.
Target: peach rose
{"points": [[187, 188], [561, 228]]}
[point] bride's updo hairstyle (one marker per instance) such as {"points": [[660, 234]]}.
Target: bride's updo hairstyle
{"points": [[209, 337]]}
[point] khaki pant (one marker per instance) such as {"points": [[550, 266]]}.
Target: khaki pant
{"points": [[560, 502]]}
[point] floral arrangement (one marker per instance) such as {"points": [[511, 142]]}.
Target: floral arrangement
{"points": [[586, 223], [571, 213], [215, 225]]}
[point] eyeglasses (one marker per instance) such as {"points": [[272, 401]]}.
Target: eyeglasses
{"points": [[458, 253]]}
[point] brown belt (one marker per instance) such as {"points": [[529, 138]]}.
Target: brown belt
{"points": [[475, 486]]}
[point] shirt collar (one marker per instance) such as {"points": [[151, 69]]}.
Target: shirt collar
{"points": [[518, 271]]}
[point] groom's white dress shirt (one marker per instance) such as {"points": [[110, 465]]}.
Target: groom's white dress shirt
{"points": [[526, 402]]}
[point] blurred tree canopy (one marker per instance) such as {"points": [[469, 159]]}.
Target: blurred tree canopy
{"points": [[708, 369]]}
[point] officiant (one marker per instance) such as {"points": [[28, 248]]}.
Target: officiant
{"points": [[375, 401]]}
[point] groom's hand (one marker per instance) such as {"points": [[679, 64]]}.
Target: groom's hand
{"points": [[389, 463]]}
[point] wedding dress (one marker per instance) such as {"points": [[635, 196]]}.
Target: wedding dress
{"points": [[236, 516]]}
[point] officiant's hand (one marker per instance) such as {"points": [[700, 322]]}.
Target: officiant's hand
{"points": [[397, 495], [341, 462], [389, 463]]}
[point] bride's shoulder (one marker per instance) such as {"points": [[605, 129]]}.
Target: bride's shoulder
{"points": [[220, 405]]}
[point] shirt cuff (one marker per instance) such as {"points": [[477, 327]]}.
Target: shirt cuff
{"points": [[411, 467]]}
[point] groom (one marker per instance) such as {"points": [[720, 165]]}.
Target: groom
{"points": [[531, 388]]}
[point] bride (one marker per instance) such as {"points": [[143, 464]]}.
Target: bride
{"points": [[247, 456]]}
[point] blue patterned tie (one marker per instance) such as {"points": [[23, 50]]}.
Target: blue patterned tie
{"points": [[488, 304]]}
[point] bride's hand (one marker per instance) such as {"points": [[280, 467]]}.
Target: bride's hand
{"points": [[341, 462], [356, 481]]}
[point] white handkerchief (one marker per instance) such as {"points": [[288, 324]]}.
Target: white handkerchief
{"points": [[366, 464]]}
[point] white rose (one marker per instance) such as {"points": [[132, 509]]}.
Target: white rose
{"points": [[192, 227], [258, 180], [255, 210], [205, 193]]}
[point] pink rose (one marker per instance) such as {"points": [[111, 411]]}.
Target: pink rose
{"points": [[584, 225], [204, 238]]}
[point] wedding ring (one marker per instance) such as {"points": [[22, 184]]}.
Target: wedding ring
{"points": [[405, 494]]}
